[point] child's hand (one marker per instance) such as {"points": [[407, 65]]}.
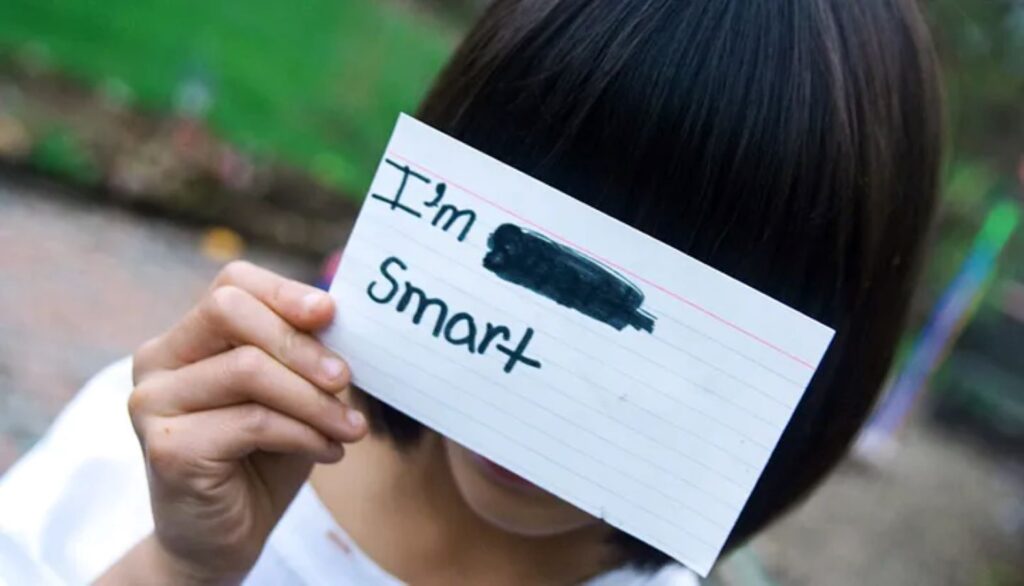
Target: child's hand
{"points": [[233, 406]]}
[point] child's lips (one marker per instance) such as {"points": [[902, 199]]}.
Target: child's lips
{"points": [[504, 476]]}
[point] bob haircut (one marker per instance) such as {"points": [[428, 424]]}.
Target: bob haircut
{"points": [[793, 145]]}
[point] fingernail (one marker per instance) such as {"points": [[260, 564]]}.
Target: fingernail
{"points": [[331, 367], [355, 418], [311, 300]]}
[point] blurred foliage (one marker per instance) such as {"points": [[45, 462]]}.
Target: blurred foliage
{"points": [[59, 152], [981, 48], [981, 44], [315, 83]]}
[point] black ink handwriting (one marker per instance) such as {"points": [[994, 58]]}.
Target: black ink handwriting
{"points": [[459, 330], [447, 215]]}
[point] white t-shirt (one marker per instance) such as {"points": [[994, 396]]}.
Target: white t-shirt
{"points": [[79, 500]]}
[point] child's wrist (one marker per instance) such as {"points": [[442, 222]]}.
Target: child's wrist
{"points": [[181, 571]]}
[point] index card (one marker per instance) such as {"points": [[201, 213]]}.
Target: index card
{"points": [[623, 376]]}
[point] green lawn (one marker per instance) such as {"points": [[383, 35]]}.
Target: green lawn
{"points": [[316, 83]]}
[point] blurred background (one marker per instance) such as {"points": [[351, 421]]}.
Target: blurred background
{"points": [[144, 144]]}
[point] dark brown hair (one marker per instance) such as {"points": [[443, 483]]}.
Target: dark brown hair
{"points": [[794, 145]]}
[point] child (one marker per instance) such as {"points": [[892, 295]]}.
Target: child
{"points": [[792, 145]]}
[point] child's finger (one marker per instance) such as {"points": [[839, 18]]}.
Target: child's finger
{"points": [[303, 306], [240, 430], [174, 445], [230, 316], [242, 375]]}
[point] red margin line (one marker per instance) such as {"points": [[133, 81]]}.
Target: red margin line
{"points": [[617, 267]]}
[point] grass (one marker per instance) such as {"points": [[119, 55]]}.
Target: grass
{"points": [[317, 84]]}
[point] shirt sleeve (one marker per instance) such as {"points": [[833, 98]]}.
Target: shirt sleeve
{"points": [[79, 499]]}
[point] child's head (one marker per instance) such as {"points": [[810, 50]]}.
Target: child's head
{"points": [[792, 145]]}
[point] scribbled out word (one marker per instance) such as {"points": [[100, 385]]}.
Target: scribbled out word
{"points": [[566, 277], [446, 216]]}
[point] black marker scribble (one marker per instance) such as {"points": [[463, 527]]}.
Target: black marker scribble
{"points": [[566, 276]]}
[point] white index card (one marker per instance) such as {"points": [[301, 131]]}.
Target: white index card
{"points": [[621, 375]]}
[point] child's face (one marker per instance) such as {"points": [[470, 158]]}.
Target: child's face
{"points": [[509, 502]]}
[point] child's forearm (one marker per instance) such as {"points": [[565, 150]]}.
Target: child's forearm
{"points": [[150, 564]]}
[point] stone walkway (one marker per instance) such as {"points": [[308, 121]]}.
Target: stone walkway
{"points": [[80, 286]]}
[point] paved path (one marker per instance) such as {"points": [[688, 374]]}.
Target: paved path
{"points": [[940, 512], [82, 285]]}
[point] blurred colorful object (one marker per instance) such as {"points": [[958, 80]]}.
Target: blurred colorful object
{"points": [[221, 244], [327, 270], [948, 318]]}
